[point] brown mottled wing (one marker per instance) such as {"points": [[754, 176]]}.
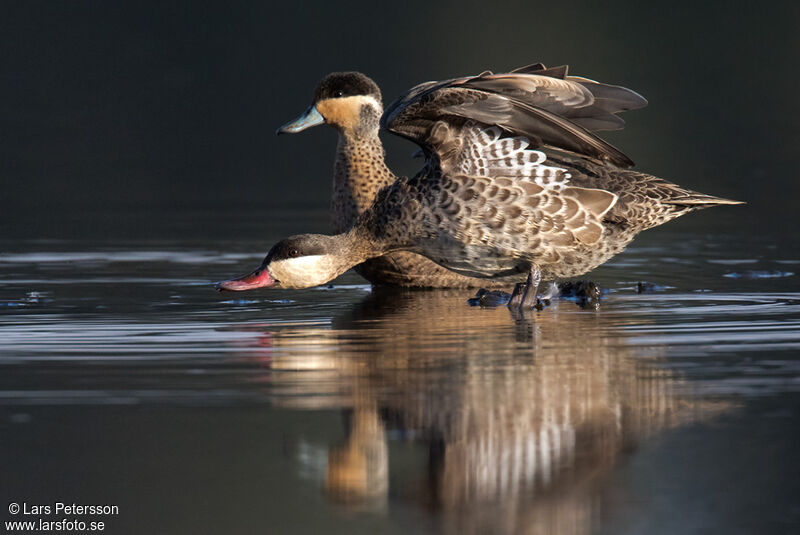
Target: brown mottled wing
{"points": [[546, 108], [515, 218]]}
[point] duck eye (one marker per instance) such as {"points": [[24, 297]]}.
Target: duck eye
{"points": [[339, 94], [294, 252]]}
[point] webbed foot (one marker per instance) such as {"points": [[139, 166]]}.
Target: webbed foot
{"points": [[586, 293], [489, 298]]}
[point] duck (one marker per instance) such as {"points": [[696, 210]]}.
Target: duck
{"points": [[509, 189], [351, 103]]}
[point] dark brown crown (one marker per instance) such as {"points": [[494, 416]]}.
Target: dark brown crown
{"points": [[346, 84]]}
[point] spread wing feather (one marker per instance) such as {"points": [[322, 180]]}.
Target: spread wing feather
{"points": [[545, 106], [490, 154]]}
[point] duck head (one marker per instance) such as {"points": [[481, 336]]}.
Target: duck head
{"points": [[299, 261], [348, 101]]}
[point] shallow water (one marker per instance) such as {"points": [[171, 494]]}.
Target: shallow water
{"points": [[125, 379]]}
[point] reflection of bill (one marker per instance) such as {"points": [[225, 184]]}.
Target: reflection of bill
{"points": [[520, 417]]}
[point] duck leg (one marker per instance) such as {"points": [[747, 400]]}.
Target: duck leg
{"points": [[516, 295], [524, 295]]}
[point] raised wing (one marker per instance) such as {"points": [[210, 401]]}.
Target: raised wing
{"points": [[544, 106]]}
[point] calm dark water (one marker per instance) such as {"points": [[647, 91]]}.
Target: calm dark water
{"points": [[126, 379]]}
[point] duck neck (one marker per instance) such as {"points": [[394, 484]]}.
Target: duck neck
{"points": [[350, 248], [359, 172]]}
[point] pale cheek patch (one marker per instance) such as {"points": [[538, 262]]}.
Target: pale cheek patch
{"points": [[302, 272], [346, 112]]}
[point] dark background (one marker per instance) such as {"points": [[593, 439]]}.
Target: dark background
{"points": [[172, 106]]}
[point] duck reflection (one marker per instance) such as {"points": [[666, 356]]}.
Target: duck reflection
{"points": [[358, 470], [520, 418]]}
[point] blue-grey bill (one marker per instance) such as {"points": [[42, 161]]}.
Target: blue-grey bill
{"points": [[310, 118]]}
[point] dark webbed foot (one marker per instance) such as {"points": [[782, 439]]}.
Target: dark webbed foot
{"points": [[489, 298], [586, 293], [525, 297]]}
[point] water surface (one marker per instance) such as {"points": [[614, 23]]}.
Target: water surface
{"points": [[126, 379]]}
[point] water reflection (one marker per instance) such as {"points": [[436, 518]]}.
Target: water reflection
{"points": [[439, 416], [519, 417]]}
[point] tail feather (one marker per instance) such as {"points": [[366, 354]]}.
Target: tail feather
{"points": [[700, 200]]}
